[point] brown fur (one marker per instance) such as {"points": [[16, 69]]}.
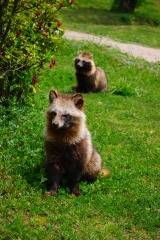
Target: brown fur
{"points": [[89, 77], [69, 149]]}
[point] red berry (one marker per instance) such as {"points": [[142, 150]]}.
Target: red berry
{"points": [[53, 62], [35, 79], [40, 23], [18, 32], [59, 24], [71, 1], [38, 13]]}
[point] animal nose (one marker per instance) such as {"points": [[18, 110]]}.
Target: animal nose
{"points": [[80, 64], [55, 125]]}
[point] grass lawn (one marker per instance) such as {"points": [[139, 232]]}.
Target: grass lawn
{"points": [[142, 27], [124, 124]]}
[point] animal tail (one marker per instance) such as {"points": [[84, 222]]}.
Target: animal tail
{"points": [[105, 172]]}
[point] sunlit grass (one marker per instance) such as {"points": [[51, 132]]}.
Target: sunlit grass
{"points": [[125, 131], [142, 27]]}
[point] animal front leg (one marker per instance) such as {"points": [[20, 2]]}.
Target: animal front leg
{"points": [[75, 190], [74, 185], [54, 175]]}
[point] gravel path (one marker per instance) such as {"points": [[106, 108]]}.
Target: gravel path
{"points": [[148, 54]]}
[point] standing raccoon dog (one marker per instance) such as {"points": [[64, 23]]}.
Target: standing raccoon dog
{"points": [[69, 148], [89, 77]]}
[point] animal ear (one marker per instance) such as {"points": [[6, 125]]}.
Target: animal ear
{"points": [[79, 52], [78, 100], [90, 55], [52, 95]]}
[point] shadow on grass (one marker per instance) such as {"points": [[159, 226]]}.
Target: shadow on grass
{"points": [[34, 176]]}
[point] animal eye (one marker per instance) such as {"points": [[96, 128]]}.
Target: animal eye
{"points": [[85, 63], [53, 114], [66, 116]]}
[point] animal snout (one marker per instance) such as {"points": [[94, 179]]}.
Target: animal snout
{"points": [[55, 125], [80, 64]]}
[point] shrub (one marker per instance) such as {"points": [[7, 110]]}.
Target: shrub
{"points": [[124, 89], [29, 32], [126, 6]]}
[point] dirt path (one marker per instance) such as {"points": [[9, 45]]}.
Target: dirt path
{"points": [[148, 54]]}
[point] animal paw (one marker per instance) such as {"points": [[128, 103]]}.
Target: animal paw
{"points": [[53, 193], [76, 193]]}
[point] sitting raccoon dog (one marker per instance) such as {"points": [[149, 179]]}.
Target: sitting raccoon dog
{"points": [[69, 148], [89, 77]]}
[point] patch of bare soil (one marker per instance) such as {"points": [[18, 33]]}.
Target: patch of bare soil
{"points": [[148, 54]]}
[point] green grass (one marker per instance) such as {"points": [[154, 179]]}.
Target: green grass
{"points": [[142, 27], [124, 124]]}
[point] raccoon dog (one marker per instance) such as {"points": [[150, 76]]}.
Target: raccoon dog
{"points": [[89, 77], [69, 148]]}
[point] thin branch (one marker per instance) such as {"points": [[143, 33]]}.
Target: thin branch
{"points": [[5, 4], [9, 24], [16, 69], [2, 7]]}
